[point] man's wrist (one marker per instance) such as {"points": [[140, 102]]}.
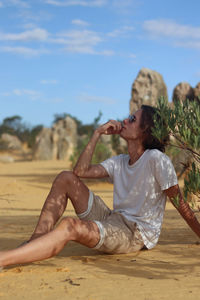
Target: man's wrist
{"points": [[97, 133]]}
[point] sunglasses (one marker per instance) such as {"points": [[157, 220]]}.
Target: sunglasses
{"points": [[132, 118]]}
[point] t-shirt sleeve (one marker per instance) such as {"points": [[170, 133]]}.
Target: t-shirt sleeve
{"points": [[164, 171], [110, 164]]}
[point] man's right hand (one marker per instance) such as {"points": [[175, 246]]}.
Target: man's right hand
{"points": [[111, 127], [83, 167]]}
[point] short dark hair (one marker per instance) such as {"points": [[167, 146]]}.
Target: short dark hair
{"points": [[148, 117]]}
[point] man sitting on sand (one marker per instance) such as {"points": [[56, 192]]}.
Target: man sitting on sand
{"points": [[142, 181]]}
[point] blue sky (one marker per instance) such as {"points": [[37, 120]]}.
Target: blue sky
{"points": [[82, 56]]}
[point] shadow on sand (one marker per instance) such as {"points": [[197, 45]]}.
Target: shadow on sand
{"points": [[177, 252]]}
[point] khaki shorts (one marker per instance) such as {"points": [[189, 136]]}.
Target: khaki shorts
{"points": [[117, 234]]}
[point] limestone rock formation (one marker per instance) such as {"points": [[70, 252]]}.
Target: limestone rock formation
{"points": [[147, 88], [12, 142], [64, 137], [197, 92], [121, 146], [43, 148], [183, 91], [57, 142], [106, 140]]}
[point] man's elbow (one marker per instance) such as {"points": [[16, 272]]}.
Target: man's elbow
{"points": [[79, 172]]}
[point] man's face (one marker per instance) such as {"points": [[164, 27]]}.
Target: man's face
{"points": [[131, 127]]}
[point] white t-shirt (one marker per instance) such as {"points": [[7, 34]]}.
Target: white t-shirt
{"points": [[138, 190]]}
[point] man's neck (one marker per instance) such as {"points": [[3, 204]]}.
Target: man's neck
{"points": [[135, 150]]}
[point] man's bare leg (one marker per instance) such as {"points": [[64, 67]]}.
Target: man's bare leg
{"points": [[66, 185], [50, 244]]}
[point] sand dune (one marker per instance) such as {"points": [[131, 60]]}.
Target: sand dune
{"points": [[170, 271]]}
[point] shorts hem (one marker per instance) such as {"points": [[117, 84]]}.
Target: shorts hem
{"points": [[90, 203], [102, 235]]}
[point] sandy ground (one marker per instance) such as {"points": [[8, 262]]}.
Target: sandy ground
{"points": [[170, 271]]}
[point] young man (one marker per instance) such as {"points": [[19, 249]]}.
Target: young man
{"points": [[142, 180]]}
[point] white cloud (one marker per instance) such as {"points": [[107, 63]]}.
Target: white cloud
{"points": [[125, 6], [90, 3], [88, 50], [132, 55], [188, 44], [49, 81], [122, 32], [79, 41], [83, 49], [79, 37], [1, 4], [82, 41], [121, 3], [184, 36], [18, 3], [168, 28], [23, 51], [106, 52], [29, 16], [88, 98], [74, 41], [29, 26], [31, 93], [36, 34], [80, 22]]}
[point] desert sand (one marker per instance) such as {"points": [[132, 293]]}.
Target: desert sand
{"points": [[169, 271]]}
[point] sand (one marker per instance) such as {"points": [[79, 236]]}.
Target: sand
{"points": [[169, 271]]}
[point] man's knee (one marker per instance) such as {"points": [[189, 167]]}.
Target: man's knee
{"points": [[71, 226], [66, 177], [71, 185], [83, 232]]}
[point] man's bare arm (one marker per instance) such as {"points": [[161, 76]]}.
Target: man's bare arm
{"points": [[183, 208], [83, 167]]}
